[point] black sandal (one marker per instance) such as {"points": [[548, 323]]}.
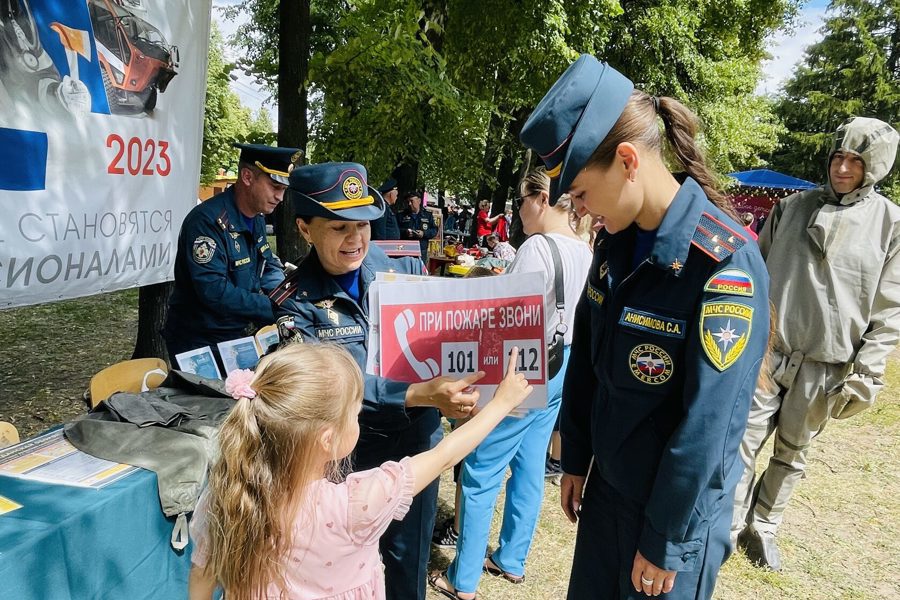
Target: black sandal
{"points": [[442, 576], [491, 568]]}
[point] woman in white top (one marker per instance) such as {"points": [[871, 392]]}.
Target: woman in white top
{"points": [[518, 442]]}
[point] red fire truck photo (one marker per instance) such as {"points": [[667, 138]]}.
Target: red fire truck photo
{"points": [[136, 61]]}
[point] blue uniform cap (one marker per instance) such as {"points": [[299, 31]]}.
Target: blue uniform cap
{"points": [[338, 191], [277, 163], [574, 117], [389, 184]]}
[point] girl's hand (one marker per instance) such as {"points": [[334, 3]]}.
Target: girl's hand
{"points": [[514, 388]]}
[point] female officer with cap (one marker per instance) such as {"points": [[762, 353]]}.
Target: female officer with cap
{"points": [[324, 299], [669, 338]]}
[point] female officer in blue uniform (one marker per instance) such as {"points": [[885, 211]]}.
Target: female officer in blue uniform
{"points": [[669, 338], [324, 299]]}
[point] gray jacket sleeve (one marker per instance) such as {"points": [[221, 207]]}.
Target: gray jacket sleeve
{"points": [[883, 332]]}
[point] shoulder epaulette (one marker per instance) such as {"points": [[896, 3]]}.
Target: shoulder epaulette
{"points": [[286, 288], [223, 221], [716, 239]]}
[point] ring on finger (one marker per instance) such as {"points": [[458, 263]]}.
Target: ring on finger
{"points": [[646, 581]]}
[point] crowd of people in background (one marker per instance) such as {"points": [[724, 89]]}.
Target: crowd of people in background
{"points": [[683, 343]]}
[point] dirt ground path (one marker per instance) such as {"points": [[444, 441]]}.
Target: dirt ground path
{"points": [[840, 539]]}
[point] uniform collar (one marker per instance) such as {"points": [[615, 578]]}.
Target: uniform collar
{"points": [[673, 238], [235, 218], [315, 283]]}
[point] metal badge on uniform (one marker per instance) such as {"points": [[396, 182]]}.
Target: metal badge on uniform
{"points": [[724, 331], [650, 364], [204, 249], [603, 270], [329, 311], [237, 246], [352, 188], [735, 282]]}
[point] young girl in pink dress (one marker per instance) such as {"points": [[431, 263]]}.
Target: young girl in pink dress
{"points": [[273, 523]]}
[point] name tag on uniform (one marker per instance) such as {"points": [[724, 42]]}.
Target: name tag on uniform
{"points": [[345, 332], [594, 295], [658, 324], [242, 262]]}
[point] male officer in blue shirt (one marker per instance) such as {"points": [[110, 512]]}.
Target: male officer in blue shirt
{"points": [[224, 260], [385, 227]]}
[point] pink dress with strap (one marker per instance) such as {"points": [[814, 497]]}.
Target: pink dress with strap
{"points": [[335, 552]]}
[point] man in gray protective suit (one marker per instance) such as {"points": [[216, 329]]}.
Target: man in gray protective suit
{"points": [[832, 253]]}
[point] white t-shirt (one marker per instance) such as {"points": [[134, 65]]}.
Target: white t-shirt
{"points": [[534, 257]]}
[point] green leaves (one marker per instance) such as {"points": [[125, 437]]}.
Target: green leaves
{"points": [[445, 85], [853, 71], [225, 120]]}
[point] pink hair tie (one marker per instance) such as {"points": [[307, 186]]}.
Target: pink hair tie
{"points": [[238, 384]]}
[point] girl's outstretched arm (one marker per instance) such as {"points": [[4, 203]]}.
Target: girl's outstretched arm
{"points": [[510, 393]]}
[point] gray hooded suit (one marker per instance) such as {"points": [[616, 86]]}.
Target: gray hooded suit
{"points": [[835, 286]]}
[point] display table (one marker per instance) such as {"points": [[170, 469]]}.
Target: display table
{"points": [[437, 265], [89, 544]]}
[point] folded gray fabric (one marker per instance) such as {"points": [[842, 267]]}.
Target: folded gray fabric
{"points": [[143, 411], [170, 430]]}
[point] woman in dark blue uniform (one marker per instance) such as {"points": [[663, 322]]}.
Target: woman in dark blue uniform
{"points": [[669, 338], [325, 299]]}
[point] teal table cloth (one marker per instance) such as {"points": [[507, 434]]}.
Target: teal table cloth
{"points": [[89, 544]]}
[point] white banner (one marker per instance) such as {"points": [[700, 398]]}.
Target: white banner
{"points": [[101, 125]]}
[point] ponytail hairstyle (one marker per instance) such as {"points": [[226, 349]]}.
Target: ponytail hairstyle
{"points": [[269, 452], [537, 181], [637, 124]]}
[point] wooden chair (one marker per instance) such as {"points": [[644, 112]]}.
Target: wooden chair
{"points": [[134, 376], [8, 434]]}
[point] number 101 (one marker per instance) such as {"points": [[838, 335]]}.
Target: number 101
{"points": [[459, 358], [460, 362]]}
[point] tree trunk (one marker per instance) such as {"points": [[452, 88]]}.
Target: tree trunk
{"points": [[492, 150], [293, 66], [153, 305], [516, 234], [407, 176]]}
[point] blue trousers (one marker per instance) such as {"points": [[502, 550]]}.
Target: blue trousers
{"points": [[608, 531], [521, 444], [406, 545]]}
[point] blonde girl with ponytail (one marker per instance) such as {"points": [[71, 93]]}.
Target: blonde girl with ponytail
{"points": [[278, 519]]}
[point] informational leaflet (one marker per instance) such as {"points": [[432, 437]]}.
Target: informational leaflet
{"points": [[52, 459], [426, 327]]}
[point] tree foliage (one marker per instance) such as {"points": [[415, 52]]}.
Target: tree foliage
{"points": [[225, 120], [853, 71], [447, 84]]}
